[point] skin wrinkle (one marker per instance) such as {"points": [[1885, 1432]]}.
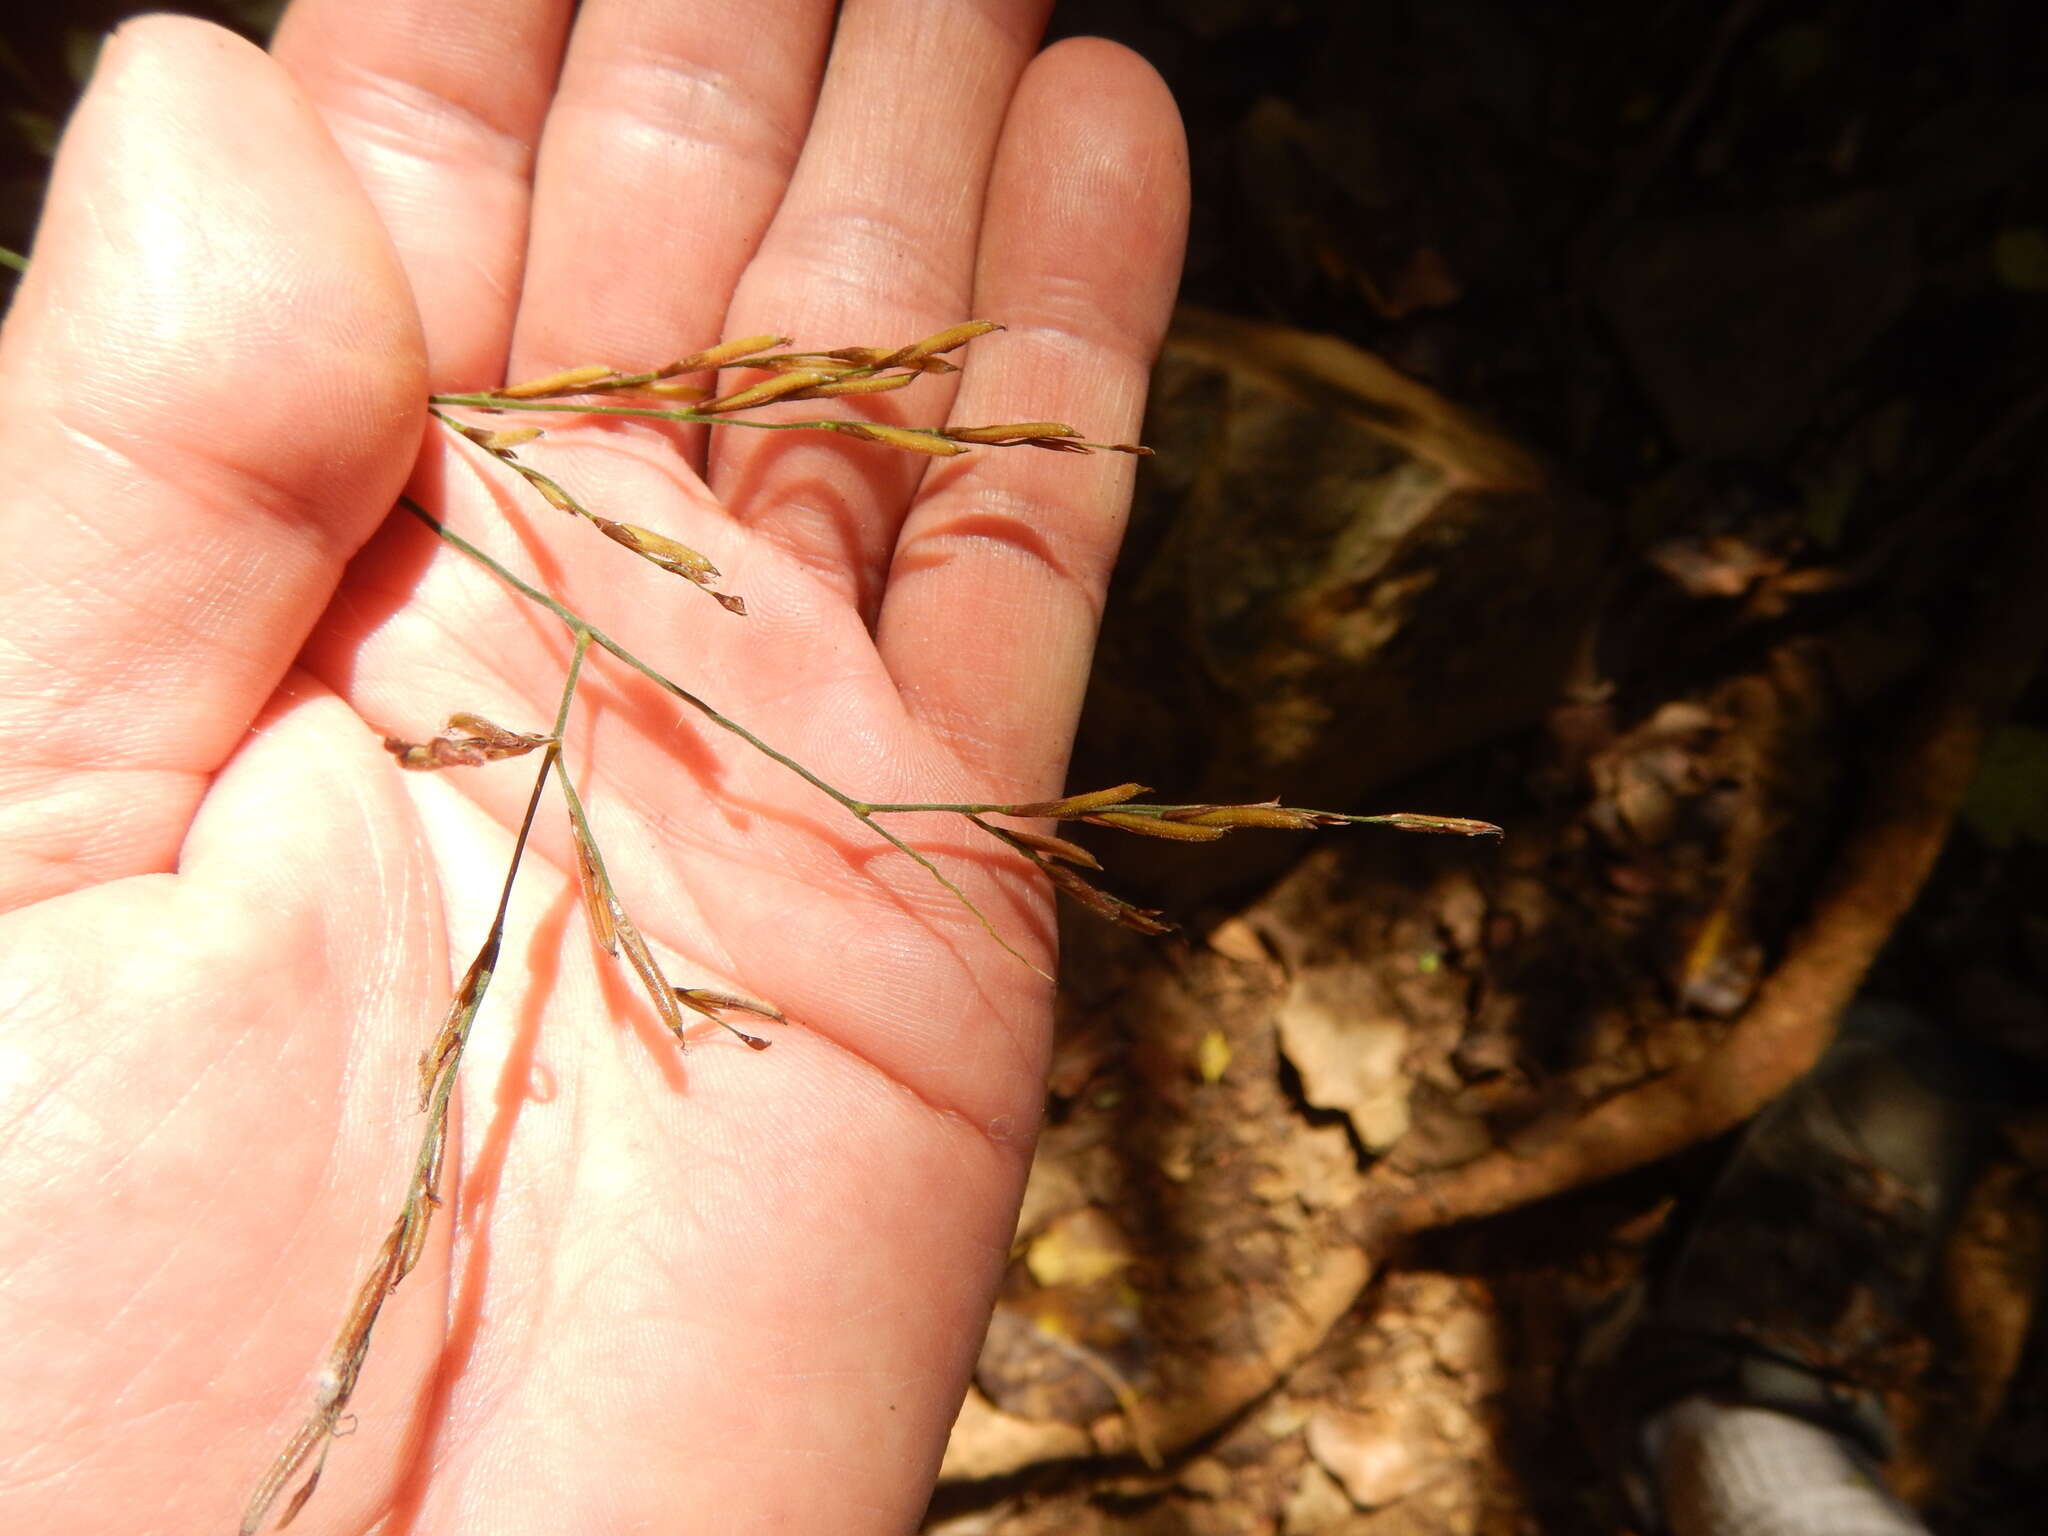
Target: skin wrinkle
{"points": [[115, 841], [141, 681], [397, 896], [19, 1124], [1063, 314], [748, 129], [855, 251], [503, 285], [954, 738], [186, 1094], [280, 506], [1060, 320], [391, 107], [1001, 521]]}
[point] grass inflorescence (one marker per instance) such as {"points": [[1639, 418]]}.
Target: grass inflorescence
{"points": [[469, 741]]}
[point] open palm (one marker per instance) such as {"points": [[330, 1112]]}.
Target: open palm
{"points": [[721, 1291]]}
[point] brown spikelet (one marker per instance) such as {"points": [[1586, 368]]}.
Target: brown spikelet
{"points": [[870, 384], [1156, 826], [770, 389], [1055, 847], [1413, 821], [1285, 818], [597, 901], [724, 354], [1109, 908], [1080, 805], [941, 341], [1011, 432], [468, 741], [567, 382], [907, 438], [496, 440], [659, 549]]}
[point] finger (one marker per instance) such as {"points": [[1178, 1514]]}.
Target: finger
{"points": [[210, 392], [665, 154], [873, 245], [438, 104], [994, 594]]}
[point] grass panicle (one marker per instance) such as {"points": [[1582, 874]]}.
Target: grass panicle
{"points": [[768, 376]]}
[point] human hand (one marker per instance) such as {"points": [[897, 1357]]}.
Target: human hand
{"points": [[732, 1290]]}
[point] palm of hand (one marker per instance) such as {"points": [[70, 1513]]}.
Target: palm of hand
{"points": [[733, 1283]]}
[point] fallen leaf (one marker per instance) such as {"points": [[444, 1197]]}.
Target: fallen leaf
{"points": [[1080, 1248]]}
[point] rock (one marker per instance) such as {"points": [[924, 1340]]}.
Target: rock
{"points": [[1206, 1476], [1466, 1343], [1316, 1505], [1376, 1464], [987, 1442], [1349, 1056], [1334, 577]]}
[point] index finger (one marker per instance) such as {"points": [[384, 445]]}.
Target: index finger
{"points": [[438, 105]]}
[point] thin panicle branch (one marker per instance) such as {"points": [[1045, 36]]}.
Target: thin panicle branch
{"points": [[617, 934], [655, 548], [859, 809], [1118, 808], [406, 1241], [844, 371]]}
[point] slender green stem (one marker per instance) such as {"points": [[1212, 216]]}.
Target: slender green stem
{"points": [[578, 625], [549, 487], [13, 259], [875, 808]]}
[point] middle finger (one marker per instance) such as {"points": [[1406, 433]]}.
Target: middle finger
{"points": [[874, 245], [665, 153]]}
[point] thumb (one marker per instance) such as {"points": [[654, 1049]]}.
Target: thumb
{"points": [[211, 389]]}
